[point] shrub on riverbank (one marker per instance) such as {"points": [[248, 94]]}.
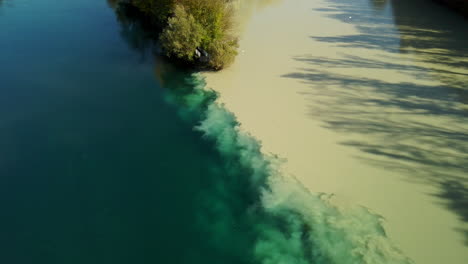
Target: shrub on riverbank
{"points": [[194, 31], [157, 10], [182, 35]]}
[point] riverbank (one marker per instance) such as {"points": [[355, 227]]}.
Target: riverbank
{"points": [[193, 33], [332, 88]]}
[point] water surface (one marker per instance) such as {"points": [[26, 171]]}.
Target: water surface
{"points": [[366, 100], [95, 165]]}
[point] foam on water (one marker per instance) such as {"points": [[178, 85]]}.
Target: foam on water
{"points": [[286, 222]]}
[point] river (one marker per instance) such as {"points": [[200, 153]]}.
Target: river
{"points": [[109, 154], [366, 100]]}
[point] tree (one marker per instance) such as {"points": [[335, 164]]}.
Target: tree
{"points": [[191, 24], [158, 10], [182, 35]]}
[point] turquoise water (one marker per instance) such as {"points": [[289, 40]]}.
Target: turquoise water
{"points": [[108, 154], [95, 166]]}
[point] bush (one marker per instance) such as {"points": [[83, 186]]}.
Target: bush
{"points": [[158, 10], [192, 24], [216, 18], [223, 52], [182, 35], [211, 14]]}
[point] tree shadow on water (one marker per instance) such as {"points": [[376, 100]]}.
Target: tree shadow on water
{"points": [[457, 196], [135, 30], [396, 26], [417, 128]]}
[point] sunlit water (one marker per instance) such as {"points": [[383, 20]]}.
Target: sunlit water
{"points": [[366, 100], [110, 155]]}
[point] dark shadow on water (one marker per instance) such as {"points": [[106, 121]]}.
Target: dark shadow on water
{"points": [[137, 33], [439, 33], [456, 195], [432, 153], [378, 4], [417, 129]]}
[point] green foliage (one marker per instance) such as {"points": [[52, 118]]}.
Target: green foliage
{"points": [[192, 24], [182, 35], [158, 10], [211, 14], [223, 52], [216, 18]]}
